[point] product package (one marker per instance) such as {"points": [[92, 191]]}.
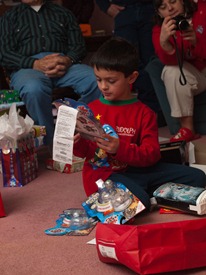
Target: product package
{"points": [[113, 203], [72, 222], [182, 197]]}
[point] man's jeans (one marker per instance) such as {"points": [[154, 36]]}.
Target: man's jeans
{"points": [[35, 89]]}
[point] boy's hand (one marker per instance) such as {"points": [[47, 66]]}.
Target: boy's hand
{"points": [[77, 137], [109, 144]]}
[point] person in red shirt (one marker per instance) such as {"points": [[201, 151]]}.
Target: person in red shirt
{"points": [[180, 44], [133, 156]]}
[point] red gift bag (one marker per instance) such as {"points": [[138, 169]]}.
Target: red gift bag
{"points": [[153, 248], [2, 211]]}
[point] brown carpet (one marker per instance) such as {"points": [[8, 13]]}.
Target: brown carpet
{"points": [[26, 249]]}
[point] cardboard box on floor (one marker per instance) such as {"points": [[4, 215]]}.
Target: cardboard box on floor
{"points": [[200, 151], [76, 166], [174, 152], [184, 153]]}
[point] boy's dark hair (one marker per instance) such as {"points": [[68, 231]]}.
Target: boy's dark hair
{"points": [[189, 6], [116, 54]]}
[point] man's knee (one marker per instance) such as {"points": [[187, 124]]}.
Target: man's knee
{"points": [[34, 89]]}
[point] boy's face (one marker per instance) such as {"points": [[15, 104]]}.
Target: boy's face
{"points": [[114, 85]]}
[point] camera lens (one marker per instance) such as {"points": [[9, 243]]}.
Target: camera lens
{"points": [[181, 23]]}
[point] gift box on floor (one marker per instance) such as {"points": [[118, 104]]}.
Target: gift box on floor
{"points": [[9, 96], [175, 152], [76, 166], [19, 164], [153, 248]]}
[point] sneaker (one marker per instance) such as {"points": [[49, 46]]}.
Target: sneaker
{"points": [[184, 134]]}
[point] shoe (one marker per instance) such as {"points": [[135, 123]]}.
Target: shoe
{"points": [[184, 134]]}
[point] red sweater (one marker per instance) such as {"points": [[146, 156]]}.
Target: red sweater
{"points": [[194, 55], [136, 126]]}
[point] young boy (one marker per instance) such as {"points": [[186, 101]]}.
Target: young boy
{"points": [[134, 157]]}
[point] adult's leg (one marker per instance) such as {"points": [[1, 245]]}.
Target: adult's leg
{"points": [[134, 24], [125, 24], [82, 79], [180, 97], [35, 89], [145, 24]]}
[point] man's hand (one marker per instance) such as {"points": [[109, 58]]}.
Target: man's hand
{"points": [[113, 10], [53, 65]]}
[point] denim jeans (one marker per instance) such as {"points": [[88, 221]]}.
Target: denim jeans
{"points": [[35, 89], [134, 24]]}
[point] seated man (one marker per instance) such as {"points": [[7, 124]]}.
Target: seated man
{"points": [[41, 47]]}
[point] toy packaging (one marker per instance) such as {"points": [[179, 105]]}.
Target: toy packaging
{"points": [[113, 203], [73, 222], [182, 197], [86, 124]]}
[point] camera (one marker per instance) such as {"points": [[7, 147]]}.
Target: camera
{"points": [[181, 23]]}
